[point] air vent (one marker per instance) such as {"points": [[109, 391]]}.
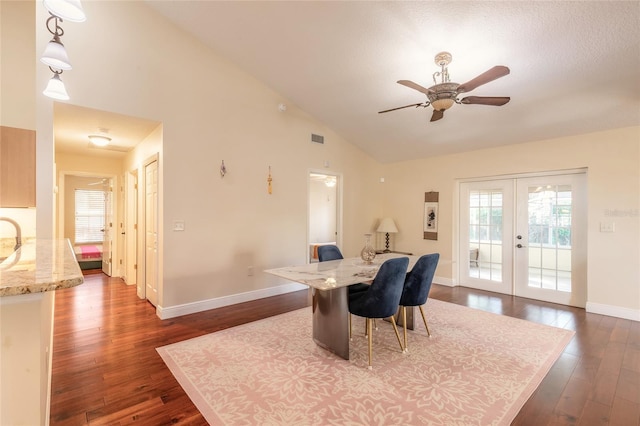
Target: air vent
{"points": [[317, 138]]}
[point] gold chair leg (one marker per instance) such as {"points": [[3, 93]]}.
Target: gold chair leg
{"points": [[366, 327], [369, 325], [425, 322], [404, 324], [395, 328]]}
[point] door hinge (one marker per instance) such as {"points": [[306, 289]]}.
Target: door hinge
{"points": [[135, 266], [121, 261], [135, 226]]}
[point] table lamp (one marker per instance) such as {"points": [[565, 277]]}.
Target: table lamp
{"points": [[388, 226]]}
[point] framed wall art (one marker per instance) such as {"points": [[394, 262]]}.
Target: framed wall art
{"points": [[430, 219]]}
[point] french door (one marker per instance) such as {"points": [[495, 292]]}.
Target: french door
{"points": [[525, 236]]}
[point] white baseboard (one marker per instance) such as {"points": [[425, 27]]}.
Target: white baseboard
{"points": [[219, 302], [613, 311], [449, 282]]}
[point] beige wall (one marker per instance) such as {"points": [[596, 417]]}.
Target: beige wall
{"points": [[17, 72], [613, 162], [211, 111]]}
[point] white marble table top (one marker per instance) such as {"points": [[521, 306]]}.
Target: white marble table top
{"points": [[43, 265], [336, 273]]}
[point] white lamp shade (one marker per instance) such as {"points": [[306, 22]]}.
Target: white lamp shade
{"points": [[387, 225], [68, 10], [55, 89], [55, 55]]}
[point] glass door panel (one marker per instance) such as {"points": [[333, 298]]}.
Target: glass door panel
{"points": [[486, 212], [545, 244]]}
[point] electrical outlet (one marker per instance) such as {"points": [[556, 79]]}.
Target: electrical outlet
{"points": [[178, 225], [250, 271]]}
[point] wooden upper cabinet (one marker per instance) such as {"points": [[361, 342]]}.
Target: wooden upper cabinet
{"points": [[17, 167]]}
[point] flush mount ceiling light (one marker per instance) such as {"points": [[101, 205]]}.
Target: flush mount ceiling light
{"points": [[70, 10], [441, 96], [100, 139], [55, 55], [55, 88]]}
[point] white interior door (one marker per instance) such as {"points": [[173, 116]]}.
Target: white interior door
{"points": [[551, 239], [486, 218], [131, 228], [107, 239], [151, 232], [526, 237]]}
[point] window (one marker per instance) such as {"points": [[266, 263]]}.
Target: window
{"points": [[89, 216], [550, 216]]}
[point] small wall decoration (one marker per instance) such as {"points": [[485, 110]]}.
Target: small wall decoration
{"points": [[223, 169], [269, 180], [430, 216]]}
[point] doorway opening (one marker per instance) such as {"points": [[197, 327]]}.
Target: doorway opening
{"points": [[525, 236], [115, 166], [86, 217], [323, 219]]}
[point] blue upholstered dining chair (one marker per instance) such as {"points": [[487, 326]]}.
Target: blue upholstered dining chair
{"points": [[382, 298], [417, 285]]}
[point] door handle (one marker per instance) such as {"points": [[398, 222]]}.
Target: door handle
{"points": [[519, 245]]}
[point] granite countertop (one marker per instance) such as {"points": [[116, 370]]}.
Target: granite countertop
{"points": [[39, 266]]}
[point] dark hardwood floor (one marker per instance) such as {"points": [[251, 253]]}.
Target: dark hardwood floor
{"points": [[106, 369]]}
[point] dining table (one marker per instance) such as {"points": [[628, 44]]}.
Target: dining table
{"points": [[329, 283]]}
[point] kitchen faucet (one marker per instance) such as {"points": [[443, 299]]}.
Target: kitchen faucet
{"points": [[18, 231]]}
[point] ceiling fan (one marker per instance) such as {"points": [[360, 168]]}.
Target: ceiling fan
{"points": [[441, 96]]}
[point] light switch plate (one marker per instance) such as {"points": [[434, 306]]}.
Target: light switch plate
{"points": [[607, 226], [178, 225]]}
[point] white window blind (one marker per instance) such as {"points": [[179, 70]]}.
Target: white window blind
{"points": [[89, 216]]}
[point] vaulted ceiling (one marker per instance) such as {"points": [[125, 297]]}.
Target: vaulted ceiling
{"points": [[575, 66]]}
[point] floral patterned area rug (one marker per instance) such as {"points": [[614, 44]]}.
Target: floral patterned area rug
{"points": [[477, 368]]}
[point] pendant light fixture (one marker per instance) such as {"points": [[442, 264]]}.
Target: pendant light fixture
{"points": [[69, 10], [55, 55], [55, 88]]}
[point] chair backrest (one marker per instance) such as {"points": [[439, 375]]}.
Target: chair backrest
{"points": [[418, 281], [329, 252], [383, 297]]}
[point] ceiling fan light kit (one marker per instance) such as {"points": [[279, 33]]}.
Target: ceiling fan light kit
{"points": [[441, 96]]}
